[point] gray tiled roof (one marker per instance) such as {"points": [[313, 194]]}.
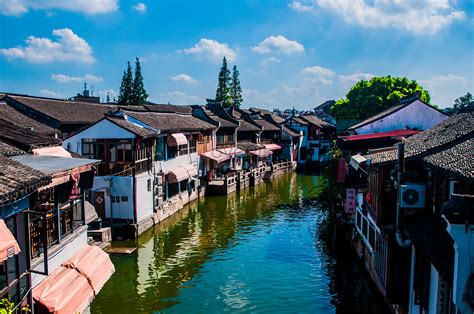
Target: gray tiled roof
{"points": [[23, 138], [7, 150], [19, 119], [171, 122], [17, 180], [443, 135]]}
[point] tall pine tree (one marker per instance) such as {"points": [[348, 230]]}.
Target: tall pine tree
{"points": [[235, 89], [223, 93], [125, 96], [139, 94]]}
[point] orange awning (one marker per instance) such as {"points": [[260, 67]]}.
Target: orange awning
{"points": [[272, 146], [94, 264], [8, 244], [177, 139], [64, 291]]}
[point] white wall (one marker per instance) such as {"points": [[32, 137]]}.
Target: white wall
{"points": [[121, 186], [434, 287], [178, 161], [144, 197], [103, 129], [68, 247], [463, 259], [414, 116]]}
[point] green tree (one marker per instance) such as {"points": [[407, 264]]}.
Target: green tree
{"points": [[367, 98], [125, 95], [223, 92], [463, 102], [235, 89], [139, 95]]}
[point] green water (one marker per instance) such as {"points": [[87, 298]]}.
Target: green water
{"points": [[258, 251]]}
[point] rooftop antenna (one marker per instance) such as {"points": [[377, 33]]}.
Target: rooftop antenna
{"points": [[92, 90], [108, 97]]}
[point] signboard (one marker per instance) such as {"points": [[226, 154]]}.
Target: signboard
{"points": [[341, 170], [350, 205]]}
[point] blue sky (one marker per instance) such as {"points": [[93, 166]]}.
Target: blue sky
{"points": [[289, 53]]}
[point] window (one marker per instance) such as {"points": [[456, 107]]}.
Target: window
{"points": [[124, 198], [182, 150], [220, 139], [172, 189], [183, 185], [171, 152], [192, 145], [160, 149], [148, 185]]}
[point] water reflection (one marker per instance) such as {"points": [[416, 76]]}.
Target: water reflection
{"points": [[260, 250]]}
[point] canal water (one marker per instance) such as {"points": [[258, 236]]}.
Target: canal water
{"points": [[265, 250]]}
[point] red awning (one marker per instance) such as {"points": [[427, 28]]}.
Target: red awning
{"points": [[64, 291], [72, 287], [261, 152], [272, 146], [94, 264], [397, 133], [177, 139], [216, 155], [232, 151], [8, 244]]}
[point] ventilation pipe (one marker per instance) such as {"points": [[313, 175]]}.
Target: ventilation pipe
{"points": [[400, 234]]}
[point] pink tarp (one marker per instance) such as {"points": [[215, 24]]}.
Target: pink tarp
{"points": [[58, 151], [72, 287], [216, 156], [272, 146], [64, 291], [8, 244], [94, 264]]}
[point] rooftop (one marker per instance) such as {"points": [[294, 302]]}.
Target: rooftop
{"points": [[24, 138], [17, 180], [397, 133], [316, 121], [171, 122], [24, 121], [53, 164]]}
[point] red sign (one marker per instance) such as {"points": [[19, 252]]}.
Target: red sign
{"points": [[341, 170], [350, 205]]}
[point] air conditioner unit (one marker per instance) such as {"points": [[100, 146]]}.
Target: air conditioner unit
{"points": [[159, 180], [412, 195]]}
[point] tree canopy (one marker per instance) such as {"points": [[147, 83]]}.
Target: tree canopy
{"points": [[462, 103], [223, 92], [235, 89], [367, 98], [132, 90]]}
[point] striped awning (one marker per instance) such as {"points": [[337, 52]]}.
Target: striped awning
{"points": [[261, 152], [216, 156], [272, 146], [177, 139], [177, 174], [232, 151], [8, 244]]}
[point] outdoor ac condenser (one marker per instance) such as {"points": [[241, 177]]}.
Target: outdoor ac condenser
{"points": [[412, 195]]}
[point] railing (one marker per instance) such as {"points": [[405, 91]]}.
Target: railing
{"points": [[70, 219], [381, 259]]}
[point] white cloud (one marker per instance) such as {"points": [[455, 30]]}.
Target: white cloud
{"points": [[444, 89], [178, 97], [89, 78], [270, 60], [278, 44], [253, 97], [20, 7], [300, 7], [50, 93], [418, 17], [140, 7], [68, 47], [319, 71], [184, 78], [211, 49], [355, 77], [112, 93], [319, 80]]}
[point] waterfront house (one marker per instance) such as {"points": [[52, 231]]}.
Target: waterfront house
{"points": [[46, 214], [122, 191], [176, 163], [410, 114], [320, 139], [401, 217]]}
